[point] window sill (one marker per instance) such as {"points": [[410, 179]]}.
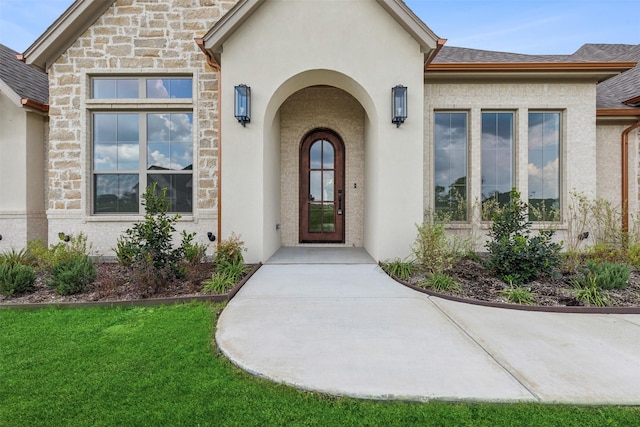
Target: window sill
{"points": [[133, 218]]}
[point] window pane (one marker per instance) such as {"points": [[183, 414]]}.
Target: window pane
{"points": [[328, 217], [544, 166], [327, 186], [179, 190], [115, 88], [315, 155], [115, 141], [328, 155], [451, 165], [169, 139], [315, 185], [497, 156], [116, 193], [315, 217], [169, 88]]}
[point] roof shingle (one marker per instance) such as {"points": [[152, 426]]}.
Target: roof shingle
{"points": [[24, 80]]}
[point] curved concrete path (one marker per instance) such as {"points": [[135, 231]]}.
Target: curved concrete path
{"points": [[348, 329]]}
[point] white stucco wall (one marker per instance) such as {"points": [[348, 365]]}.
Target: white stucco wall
{"points": [[287, 46], [22, 173]]}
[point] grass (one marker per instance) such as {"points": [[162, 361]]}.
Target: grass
{"points": [[157, 366]]}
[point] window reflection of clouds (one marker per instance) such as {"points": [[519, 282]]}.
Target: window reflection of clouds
{"points": [[497, 153], [170, 141], [450, 149], [115, 141], [544, 155], [169, 88], [115, 88]]}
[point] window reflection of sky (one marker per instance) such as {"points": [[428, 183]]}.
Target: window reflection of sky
{"points": [[497, 153], [450, 150], [544, 155], [169, 88], [321, 180], [169, 141], [116, 137]]}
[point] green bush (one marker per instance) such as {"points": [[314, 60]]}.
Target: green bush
{"points": [[605, 275], [399, 268], [229, 251], [229, 264], [72, 275], [148, 246], [434, 251], [513, 252], [13, 256], [15, 278], [518, 295], [440, 282], [588, 292]]}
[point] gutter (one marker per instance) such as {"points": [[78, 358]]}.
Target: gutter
{"points": [[27, 102], [216, 66], [625, 175]]}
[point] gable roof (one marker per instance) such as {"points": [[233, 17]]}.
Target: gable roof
{"points": [[223, 29], [24, 85], [64, 32]]}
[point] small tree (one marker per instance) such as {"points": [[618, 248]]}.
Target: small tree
{"points": [[512, 251], [148, 246]]}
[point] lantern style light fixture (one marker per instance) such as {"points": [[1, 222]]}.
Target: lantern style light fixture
{"points": [[243, 104], [398, 105]]}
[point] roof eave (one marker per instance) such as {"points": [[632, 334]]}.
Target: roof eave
{"points": [[598, 71], [618, 112], [412, 24], [64, 32]]}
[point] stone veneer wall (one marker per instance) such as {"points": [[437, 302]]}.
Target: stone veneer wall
{"points": [[322, 107], [140, 37]]}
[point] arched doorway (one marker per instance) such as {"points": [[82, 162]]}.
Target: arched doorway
{"points": [[322, 195]]}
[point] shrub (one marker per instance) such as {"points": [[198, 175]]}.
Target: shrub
{"points": [[15, 278], [436, 252], [229, 264], [399, 268], [440, 282], [605, 252], [45, 258], [512, 251], [229, 251], [148, 246], [14, 257], [605, 275], [72, 275]]}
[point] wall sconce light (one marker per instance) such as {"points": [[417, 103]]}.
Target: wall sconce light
{"points": [[211, 236], [0, 236], [398, 105], [243, 104]]}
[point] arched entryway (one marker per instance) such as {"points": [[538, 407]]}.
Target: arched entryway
{"points": [[322, 195], [322, 113]]}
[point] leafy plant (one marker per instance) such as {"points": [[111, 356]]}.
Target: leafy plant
{"points": [[149, 244], [15, 278], [512, 251], [605, 275], [13, 257], [588, 292], [436, 252], [229, 251], [440, 282], [399, 268], [518, 294], [229, 263], [72, 275]]}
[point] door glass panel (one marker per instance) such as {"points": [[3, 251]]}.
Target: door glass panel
{"points": [[315, 155], [315, 217], [328, 217], [328, 186], [315, 186], [328, 155]]}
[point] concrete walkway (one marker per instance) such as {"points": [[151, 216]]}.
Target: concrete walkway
{"points": [[348, 329]]}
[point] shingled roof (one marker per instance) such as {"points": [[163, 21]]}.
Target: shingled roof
{"points": [[25, 81], [611, 93]]}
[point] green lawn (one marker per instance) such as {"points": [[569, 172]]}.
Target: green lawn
{"points": [[157, 366]]}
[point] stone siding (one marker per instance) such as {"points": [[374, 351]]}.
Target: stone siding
{"points": [[138, 37]]}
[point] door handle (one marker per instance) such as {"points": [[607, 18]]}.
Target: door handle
{"points": [[339, 202]]}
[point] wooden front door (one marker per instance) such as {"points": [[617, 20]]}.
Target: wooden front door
{"points": [[322, 196]]}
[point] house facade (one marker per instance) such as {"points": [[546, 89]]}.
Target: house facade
{"points": [[144, 92]]}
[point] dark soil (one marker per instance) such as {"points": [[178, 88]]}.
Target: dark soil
{"points": [[116, 283], [476, 282]]}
